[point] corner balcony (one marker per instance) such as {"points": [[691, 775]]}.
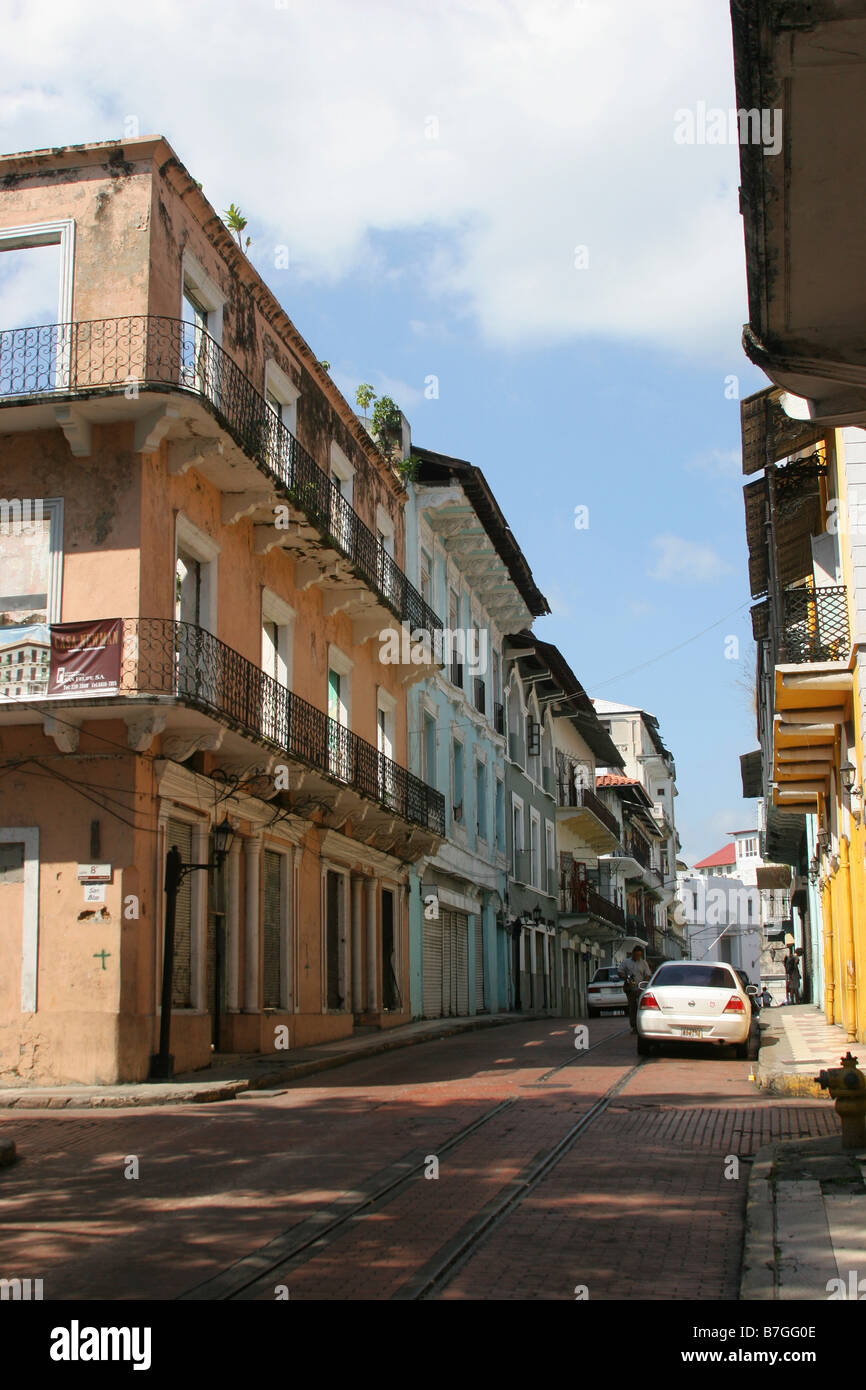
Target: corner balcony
{"points": [[583, 813], [181, 683], [177, 384]]}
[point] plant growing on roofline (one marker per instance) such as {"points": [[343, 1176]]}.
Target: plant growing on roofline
{"points": [[387, 417], [364, 396], [235, 221]]}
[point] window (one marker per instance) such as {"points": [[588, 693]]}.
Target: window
{"points": [[426, 570], [453, 625], [275, 956], [481, 799], [31, 571], [429, 750], [534, 848], [517, 839], [385, 706], [195, 576], [550, 854], [36, 265], [277, 642], [500, 815], [457, 780], [339, 712], [281, 394]]}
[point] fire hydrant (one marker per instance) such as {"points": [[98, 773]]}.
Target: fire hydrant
{"points": [[847, 1086]]}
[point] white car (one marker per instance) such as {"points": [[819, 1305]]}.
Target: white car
{"points": [[606, 990], [695, 1001]]}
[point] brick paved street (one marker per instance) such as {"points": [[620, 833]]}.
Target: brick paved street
{"points": [[638, 1207]]}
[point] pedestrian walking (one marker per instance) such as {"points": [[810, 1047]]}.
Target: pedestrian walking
{"points": [[766, 998], [634, 969], [792, 978]]}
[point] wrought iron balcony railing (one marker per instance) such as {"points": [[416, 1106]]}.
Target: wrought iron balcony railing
{"points": [[577, 897], [150, 353], [162, 657], [815, 625]]}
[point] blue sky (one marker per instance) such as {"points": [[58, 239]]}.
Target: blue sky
{"points": [[490, 192]]}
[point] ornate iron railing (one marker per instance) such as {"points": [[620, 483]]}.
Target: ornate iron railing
{"points": [[162, 657], [150, 353], [576, 896], [570, 795], [815, 625]]}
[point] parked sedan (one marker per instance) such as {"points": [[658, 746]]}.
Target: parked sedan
{"points": [[694, 1001], [606, 990]]}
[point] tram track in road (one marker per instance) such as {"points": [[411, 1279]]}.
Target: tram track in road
{"points": [[249, 1276], [439, 1271]]}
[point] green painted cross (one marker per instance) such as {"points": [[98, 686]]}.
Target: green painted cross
{"points": [[104, 954]]}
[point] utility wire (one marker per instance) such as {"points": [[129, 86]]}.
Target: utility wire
{"points": [[599, 685]]}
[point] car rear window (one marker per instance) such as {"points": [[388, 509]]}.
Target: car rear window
{"points": [[694, 976]]}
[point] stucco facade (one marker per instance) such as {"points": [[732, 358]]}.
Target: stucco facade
{"points": [[206, 484]]}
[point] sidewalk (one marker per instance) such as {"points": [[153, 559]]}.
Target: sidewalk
{"points": [[797, 1043], [251, 1071], [805, 1223]]}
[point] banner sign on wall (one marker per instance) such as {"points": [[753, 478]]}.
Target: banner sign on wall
{"points": [[85, 658]]}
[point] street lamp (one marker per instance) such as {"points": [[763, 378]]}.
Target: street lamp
{"points": [[162, 1062], [848, 773], [537, 915], [814, 870]]}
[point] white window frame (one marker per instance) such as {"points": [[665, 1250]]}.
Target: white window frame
{"points": [[387, 705], [457, 738], [343, 665], [517, 805], [284, 390], [534, 826], [28, 835], [340, 465], [549, 850], [202, 547], [286, 1004], [276, 610], [343, 924], [206, 291], [59, 232]]}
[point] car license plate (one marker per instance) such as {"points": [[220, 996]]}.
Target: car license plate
{"points": [[614, 990], [691, 1032]]}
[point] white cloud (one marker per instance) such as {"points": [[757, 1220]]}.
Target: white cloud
{"points": [[683, 560], [554, 127]]}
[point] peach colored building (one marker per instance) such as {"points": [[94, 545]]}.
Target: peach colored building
{"points": [[232, 543]]}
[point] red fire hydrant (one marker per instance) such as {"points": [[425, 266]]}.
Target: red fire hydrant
{"points": [[847, 1086]]}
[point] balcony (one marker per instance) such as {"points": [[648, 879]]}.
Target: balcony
{"points": [[578, 899], [815, 626], [585, 814], [122, 362], [165, 664]]}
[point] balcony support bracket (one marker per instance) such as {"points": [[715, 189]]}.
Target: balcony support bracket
{"points": [[76, 428], [65, 734], [152, 428], [143, 728], [191, 453]]}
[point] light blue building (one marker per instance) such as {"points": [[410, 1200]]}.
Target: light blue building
{"points": [[464, 560]]}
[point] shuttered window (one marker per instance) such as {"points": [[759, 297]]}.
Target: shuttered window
{"points": [[181, 986], [479, 962], [272, 930]]}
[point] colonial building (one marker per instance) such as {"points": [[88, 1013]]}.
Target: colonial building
{"points": [[650, 764], [805, 434], [220, 548], [466, 563]]}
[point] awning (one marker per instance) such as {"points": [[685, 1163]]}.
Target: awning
{"points": [[769, 434], [774, 876]]}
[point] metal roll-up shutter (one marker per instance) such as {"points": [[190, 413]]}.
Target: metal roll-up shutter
{"points": [[479, 962], [431, 966], [180, 834], [461, 982], [272, 917], [449, 963]]}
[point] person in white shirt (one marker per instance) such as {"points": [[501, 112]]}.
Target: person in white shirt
{"points": [[634, 969]]}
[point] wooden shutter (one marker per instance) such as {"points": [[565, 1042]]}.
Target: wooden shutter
{"points": [[180, 834], [272, 930]]}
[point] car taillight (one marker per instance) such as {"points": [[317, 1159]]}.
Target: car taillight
{"points": [[734, 1005], [648, 1001]]}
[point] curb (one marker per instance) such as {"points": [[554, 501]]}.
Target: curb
{"points": [[228, 1090], [789, 1083], [758, 1279]]}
